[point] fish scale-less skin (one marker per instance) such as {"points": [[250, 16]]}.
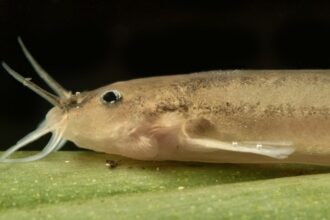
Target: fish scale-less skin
{"points": [[241, 116], [249, 105]]}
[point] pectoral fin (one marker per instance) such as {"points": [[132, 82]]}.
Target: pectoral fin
{"points": [[207, 143], [278, 151]]}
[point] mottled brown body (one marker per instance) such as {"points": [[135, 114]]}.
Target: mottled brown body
{"points": [[241, 116], [229, 106]]}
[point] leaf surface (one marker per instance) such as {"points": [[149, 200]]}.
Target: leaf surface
{"points": [[78, 185]]}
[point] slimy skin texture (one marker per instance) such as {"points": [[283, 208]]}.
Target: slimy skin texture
{"points": [[241, 116], [158, 116]]}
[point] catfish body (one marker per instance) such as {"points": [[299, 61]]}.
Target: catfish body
{"points": [[185, 117], [241, 116]]}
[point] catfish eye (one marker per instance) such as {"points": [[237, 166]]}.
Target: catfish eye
{"points": [[111, 96]]}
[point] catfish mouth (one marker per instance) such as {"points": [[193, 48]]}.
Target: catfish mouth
{"points": [[55, 121], [55, 143]]}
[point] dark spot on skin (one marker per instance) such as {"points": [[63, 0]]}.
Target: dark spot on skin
{"points": [[290, 110], [229, 109], [275, 111], [111, 164], [280, 81], [247, 80], [312, 111], [324, 112], [196, 82], [286, 110], [172, 105], [163, 107]]}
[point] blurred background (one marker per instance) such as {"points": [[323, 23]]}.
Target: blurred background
{"points": [[85, 44]]}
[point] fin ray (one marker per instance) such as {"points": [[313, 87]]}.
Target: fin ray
{"points": [[210, 145]]}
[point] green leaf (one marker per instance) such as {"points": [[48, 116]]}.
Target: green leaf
{"points": [[78, 185]]}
